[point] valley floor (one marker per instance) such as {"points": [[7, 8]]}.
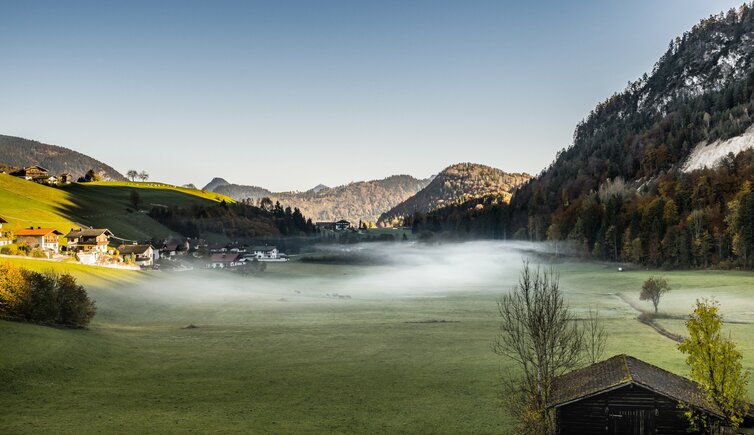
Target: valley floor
{"points": [[283, 353]]}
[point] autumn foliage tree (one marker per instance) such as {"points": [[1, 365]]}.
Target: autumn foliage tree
{"points": [[46, 298], [715, 363]]}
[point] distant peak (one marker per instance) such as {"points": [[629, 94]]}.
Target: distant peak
{"points": [[215, 183], [318, 188]]}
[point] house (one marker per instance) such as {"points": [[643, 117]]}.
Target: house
{"points": [[46, 239], [627, 395], [169, 249], [342, 225], [32, 173], [143, 254], [89, 239], [264, 252], [222, 260], [65, 178], [5, 238]]}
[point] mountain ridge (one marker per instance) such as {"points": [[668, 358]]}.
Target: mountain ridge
{"points": [[455, 184], [21, 152]]}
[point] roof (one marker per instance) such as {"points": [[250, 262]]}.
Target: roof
{"points": [[38, 232], [88, 232], [224, 258], [342, 221], [24, 170], [133, 249], [3, 221], [264, 248], [623, 370]]}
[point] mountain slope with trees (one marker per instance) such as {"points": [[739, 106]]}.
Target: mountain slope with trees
{"points": [[19, 152], [619, 191], [456, 184]]}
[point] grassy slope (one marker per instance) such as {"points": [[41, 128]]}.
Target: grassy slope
{"points": [[105, 204], [303, 364]]}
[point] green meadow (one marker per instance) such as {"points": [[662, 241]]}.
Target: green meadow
{"points": [[101, 204], [308, 348]]}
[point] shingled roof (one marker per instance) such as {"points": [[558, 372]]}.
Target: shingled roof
{"points": [[133, 249], [622, 370], [88, 232]]}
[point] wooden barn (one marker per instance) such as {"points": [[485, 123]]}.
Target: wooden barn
{"points": [[624, 395]]}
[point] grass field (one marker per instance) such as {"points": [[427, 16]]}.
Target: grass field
{"points": [[281, 354], [103, 204]]}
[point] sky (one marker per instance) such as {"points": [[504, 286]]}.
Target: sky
{"points": [[289, 94]]}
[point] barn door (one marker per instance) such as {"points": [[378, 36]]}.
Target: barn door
{"points": [[631, 421]]}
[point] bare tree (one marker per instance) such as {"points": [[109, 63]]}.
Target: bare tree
{"points": [[132, 174], [143, 175], [595, 336], [653, 289], [538, 333]]}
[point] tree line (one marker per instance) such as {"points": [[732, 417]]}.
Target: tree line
{"points": [[237, 221], [46, 298]]}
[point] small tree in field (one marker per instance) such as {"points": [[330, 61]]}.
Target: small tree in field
{"points": [[143, 176], [539, 333], [135, 199], [653, 289], [132, 174], [715, 363]]}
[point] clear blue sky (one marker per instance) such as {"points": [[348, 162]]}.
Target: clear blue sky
{"points": [[287, 95]]}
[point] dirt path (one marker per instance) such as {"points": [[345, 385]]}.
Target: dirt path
{"points": [[648, 319]]}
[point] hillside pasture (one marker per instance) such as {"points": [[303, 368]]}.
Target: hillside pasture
{"points": [[101, 204]]}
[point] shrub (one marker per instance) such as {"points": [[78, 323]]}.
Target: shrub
{"points": [[47, 298], [13, 289]]}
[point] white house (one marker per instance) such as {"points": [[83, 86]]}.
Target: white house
{"points": [[342, 225], [4, 238], [265, 252], [143, 254], [46, 239]]}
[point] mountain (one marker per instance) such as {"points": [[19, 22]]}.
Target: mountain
{"points": [[318, 188], [362, 200], [240, 192], [455, 184], [658, 174], [19, 152], [214, 184]]}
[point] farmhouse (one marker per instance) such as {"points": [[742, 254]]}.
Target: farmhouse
{"points": [[4, 236], [46, 239], [89, 239], [265, 252], [143, 254], [65, 178], [225, 260], [627, 396], [342, 225], [32, 173]]}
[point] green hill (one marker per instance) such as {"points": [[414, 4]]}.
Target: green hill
{"points": [[102, 204]]}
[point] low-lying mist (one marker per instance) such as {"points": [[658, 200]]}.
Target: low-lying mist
{"points": [[356, 272]]}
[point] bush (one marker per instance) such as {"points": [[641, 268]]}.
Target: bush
{"points": [[47, 298], [37, 253]]}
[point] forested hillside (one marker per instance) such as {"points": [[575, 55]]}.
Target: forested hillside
{"points": [[618, 191], [456, 184], [19, 152]]}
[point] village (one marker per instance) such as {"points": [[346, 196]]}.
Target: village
{"points": [[98, 246]]}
